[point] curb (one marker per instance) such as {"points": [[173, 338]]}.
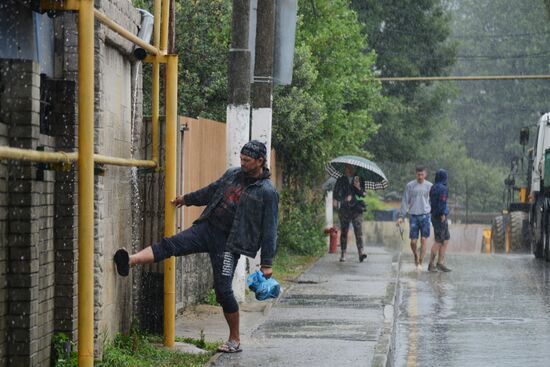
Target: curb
{"points": [[384, 349]]}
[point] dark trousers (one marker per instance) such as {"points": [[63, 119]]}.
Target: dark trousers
{"points": [[204, 237], [356, 219]]}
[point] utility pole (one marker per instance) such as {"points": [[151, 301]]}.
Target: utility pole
{"points": [[238, 107], [262, 88]]}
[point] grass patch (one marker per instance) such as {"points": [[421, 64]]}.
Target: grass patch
{"points": [[147, 351], [287, 266], [139, 350]]}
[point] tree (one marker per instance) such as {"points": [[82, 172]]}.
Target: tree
{"points": [[329, 108], [410, 38]]}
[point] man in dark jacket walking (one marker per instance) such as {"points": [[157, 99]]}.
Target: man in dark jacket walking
{"points": [[240, 218], [438, 200], [349, 191]]}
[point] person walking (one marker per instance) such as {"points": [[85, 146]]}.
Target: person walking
{"points": [[438, 200], [349, 191], [416, 202], [240, 219]]}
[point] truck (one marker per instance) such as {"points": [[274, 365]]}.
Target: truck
{"points": [[539, 195], [525, 222], [511, 231]]}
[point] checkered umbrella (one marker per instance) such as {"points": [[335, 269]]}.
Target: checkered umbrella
{"points": [[368, 171]]}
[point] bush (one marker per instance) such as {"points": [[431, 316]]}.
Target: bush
{"points": [[373, 202], [300, 223]]}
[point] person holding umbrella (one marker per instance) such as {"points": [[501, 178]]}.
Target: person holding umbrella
{"points": [[348, 193], [354, 175]]}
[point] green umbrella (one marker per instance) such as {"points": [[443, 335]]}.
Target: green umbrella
{"points": [[368, 171]]}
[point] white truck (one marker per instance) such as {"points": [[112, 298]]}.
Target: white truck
{"points": [[539, 190]]}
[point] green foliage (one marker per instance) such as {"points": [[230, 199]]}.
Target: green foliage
{"points": [[203, 31], [410, 38], [328, 110], [210, 298], [373, 202], [64, 349], [147, 351], [301, 226], [499, 38]]}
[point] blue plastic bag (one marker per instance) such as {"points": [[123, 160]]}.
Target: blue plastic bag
{"points": [[262, 287]]}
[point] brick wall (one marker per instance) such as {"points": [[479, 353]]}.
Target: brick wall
{"points": [[30, 221]]}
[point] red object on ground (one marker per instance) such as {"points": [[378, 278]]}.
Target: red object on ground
{"points": [[334, 239]]}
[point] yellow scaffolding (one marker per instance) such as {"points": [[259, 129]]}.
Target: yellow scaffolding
{"points": [[86, 158]]}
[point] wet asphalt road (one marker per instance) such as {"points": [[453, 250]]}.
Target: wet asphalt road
{"points": [[492, 310]]}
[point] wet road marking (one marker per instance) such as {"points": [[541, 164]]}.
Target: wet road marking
{"points": [[413, 327]]}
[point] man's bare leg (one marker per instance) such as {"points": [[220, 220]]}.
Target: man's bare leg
{"points": [[414, 251], [144, 256], [423, 248], [433, 253], [233, 323], [442, 250]]}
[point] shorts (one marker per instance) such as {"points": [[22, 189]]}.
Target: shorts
{"points": [[204, 237], [420, 225], [441, 230]]}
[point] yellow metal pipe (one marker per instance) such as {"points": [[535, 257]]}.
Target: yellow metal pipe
{"points": [[461, 78], [156, 24], [125, 33], [164, 25], [155, 96], [37, 156], [68, 157], [86, 184], [115, 161], [169, 194]]}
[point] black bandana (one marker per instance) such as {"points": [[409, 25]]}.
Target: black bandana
{"points": [[254, 149]]}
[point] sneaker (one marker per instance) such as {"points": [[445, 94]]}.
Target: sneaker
{"points": [[122, 262], [432, 268], [443, 268], [342, 259]]}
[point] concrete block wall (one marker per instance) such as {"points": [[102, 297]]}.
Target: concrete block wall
{"points": [[117, 129], [30, 271]]}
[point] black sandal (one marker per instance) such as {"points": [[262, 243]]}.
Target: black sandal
{"points": [[122, 262]]}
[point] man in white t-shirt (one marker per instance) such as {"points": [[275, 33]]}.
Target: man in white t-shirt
{"points": [[416, 202]]}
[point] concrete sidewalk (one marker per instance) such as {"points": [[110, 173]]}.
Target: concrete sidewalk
{"points": [[336, 314]]}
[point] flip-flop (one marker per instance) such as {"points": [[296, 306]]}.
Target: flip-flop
{"points": [[122, 262], [230, 346]]}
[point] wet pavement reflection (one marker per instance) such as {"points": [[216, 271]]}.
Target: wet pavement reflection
{"points": [[491, 310]]}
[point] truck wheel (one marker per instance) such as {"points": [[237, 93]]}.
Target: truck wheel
{"points": [[519, 231], [498, 234]]}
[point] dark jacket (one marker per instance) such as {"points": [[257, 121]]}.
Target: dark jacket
{"points": [[439, 194], [255, 223], [343, 188]]}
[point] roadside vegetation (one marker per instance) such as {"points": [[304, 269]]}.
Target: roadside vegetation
{"points": [[136, 350]]}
